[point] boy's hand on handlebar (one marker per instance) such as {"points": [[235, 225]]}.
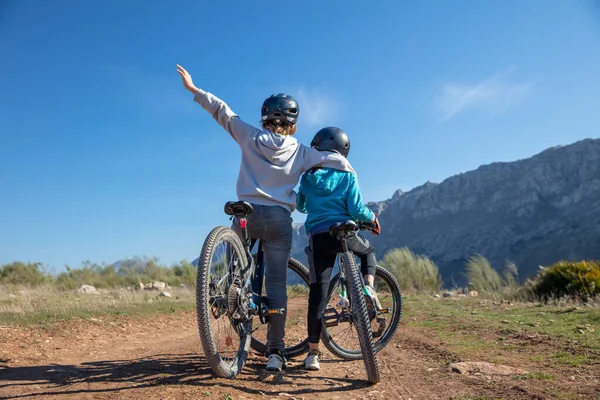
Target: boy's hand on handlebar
{"points": [[376, 228], [187, 79]]}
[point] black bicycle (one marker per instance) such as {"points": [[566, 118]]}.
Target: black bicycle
{"points": [[341, 332], [229, 294]]}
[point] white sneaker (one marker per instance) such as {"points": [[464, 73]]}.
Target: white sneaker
{"points": [[373, 294], [276, 362], [311, 362]]}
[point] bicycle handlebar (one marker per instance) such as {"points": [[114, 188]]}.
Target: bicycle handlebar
{"points": [[350, 226], [366, 226]]}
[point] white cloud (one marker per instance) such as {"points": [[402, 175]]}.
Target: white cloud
{"points": [[494, 94], [317, 108]]}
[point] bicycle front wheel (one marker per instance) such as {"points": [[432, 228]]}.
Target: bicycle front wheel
{"points": [[360, 316], [340, 337], [225, 340]]}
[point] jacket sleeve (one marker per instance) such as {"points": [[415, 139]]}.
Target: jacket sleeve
{"points": [[356, 208], [301, 202], [220, 111]]}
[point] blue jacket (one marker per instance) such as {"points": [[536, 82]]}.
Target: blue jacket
{"points": [[328, 196]]}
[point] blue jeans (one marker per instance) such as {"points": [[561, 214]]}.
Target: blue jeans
{"points": [[272, 225]]}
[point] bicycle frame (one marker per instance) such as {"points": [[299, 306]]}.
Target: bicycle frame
{"points": [[255, 273]]}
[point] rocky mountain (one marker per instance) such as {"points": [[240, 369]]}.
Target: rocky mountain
{"points": [[531, 212]]}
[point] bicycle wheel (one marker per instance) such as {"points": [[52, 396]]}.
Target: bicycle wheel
{"points": [[225, 341], [360, 316], [298, 287], [341, 339]]}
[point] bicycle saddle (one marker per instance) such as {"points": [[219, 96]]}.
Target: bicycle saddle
{"points": [[343, 227], [238, 208]]}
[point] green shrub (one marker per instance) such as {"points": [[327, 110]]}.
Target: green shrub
{"points": [[185, 273], [481, 276], [575, 279], [415, 273], [29, 274], [126, 273]]}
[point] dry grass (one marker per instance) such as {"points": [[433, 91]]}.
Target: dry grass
{"points": [[46, 304]]}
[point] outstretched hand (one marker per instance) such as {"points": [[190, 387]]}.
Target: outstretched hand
{"points": [[187, 79]]}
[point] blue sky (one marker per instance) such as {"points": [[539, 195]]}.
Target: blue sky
{"points": [[104, 155]]}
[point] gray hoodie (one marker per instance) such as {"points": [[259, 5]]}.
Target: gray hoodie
{"points": [[271, 163]]}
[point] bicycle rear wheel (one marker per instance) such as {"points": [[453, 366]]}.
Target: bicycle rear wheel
{"points": [[225, 340], [341, 339], [360, 316], [298, 287]]}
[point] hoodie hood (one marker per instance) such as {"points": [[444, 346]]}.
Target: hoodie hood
{"points": [[323, 181], [278, 149]]}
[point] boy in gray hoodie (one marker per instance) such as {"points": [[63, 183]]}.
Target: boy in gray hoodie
{"points": [[272, 163]]}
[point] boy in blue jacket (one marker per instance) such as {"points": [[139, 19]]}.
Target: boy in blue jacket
{"points": [[329, 196]]}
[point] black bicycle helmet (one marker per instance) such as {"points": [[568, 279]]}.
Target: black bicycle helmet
{"points": [[280, 108], [332, 139]]}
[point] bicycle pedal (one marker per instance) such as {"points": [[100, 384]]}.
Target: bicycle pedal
{"points": [[275, 311], [330, 317]]}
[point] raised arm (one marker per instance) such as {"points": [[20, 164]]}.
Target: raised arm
{"points": [[219, 110]]}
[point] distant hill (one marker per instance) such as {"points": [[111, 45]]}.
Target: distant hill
{"points": [[531, 212]]}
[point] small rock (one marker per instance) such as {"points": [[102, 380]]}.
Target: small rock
{"points": [[447, 294], [430, 369], [504, 321], [580, 331], [572, 378], [86, 289], [437, 296], [140, 286], [283, 394], [165, 294], [551, 320], [473, 293], [484, 368], [12, 296], [473, 312]]}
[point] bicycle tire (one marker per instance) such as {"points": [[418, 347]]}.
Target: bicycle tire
{"points": [[221, 367], [360, 317], [349, 354], [299, 348]]}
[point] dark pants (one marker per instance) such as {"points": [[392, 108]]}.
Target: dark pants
{"points": [[322, 253], [273, 226]]}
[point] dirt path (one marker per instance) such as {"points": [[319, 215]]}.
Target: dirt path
{"points": [[160, 358]]}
